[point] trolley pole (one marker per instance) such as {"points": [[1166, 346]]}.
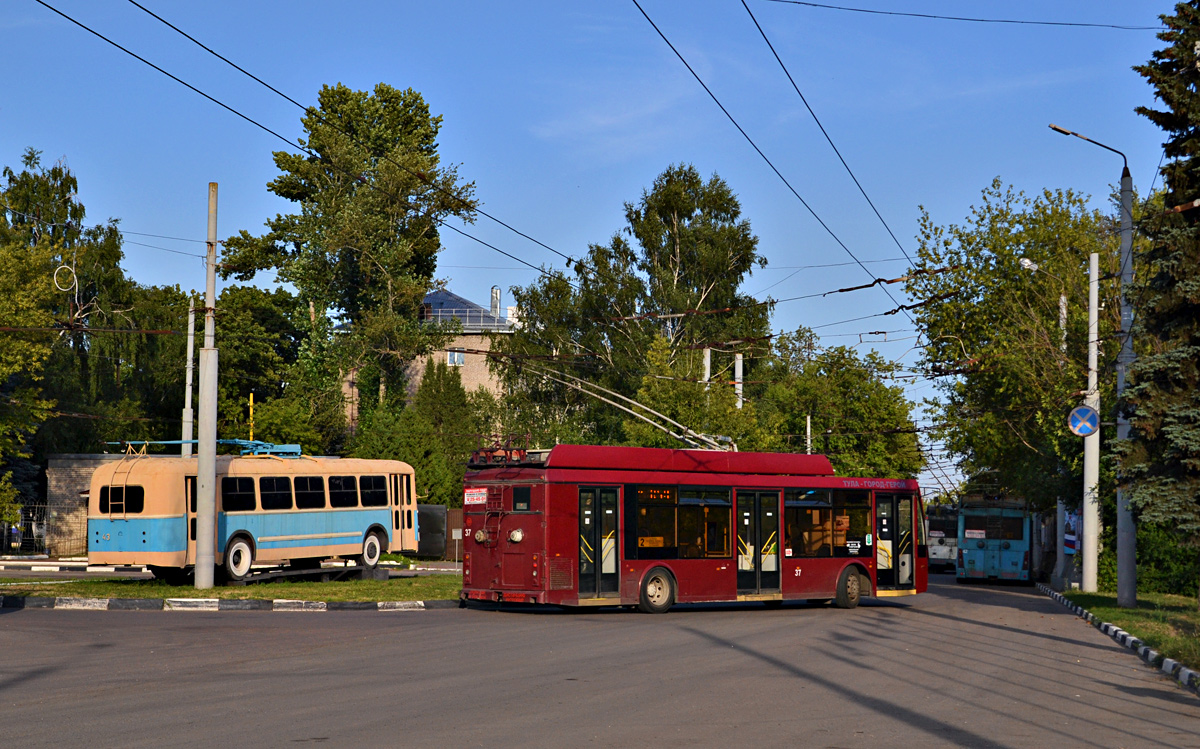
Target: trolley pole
{"points": [[186, 448], [1091, 443], [1126, 530], [206, 449]]}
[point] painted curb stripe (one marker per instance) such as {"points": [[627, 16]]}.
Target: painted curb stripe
{"points": [[401, 605], [243, 604], [288, 604], [81, 604], [190, 604], [69, 603], [1188, 678]]}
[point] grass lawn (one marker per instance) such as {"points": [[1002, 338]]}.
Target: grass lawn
{"points": [[422, 588], [1168, 624]]}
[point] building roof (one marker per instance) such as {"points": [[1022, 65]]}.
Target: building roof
{"points": [[442, 305]]}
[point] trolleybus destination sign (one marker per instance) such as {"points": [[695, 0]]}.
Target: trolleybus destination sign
{"points": [[475, 496]]}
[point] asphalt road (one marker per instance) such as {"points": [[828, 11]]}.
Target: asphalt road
{"points": [[961, 666]]}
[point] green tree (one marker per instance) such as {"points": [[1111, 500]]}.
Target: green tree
{"points": [[674, 389], [861, 421], [1162, 464], [443, 402], [408, 436], [672, 272], [371, 192], [993, 345]]}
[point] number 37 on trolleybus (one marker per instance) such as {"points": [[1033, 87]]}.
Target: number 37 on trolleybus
{"points": [[585, 525]]}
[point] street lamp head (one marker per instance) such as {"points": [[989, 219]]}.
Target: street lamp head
{"points": [[1028, 264], [1062, 130]]}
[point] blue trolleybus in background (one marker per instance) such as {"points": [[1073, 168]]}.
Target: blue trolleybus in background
{"points": [[271, 508], [993, 540]]}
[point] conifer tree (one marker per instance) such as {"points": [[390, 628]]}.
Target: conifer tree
{"points": [[1162, 464]]}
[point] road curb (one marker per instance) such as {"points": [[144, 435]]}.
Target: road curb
{"points": [[67, 603], [1187, 678]]}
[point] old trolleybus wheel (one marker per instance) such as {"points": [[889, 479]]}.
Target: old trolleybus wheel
{"points": [[238, 558], [848, 591], [372, 551], [658, 592]]}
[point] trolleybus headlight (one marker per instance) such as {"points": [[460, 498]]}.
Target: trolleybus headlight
{"points": [[516, 535], [480, 536]]}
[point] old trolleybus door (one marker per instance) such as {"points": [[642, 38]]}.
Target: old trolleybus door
{"points": [[758, 542], [598, 576], [189, 513], [894, 551]]}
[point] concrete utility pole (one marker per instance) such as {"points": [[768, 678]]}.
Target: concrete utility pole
{"points": [[1091, 443], [206, 452], [737, 377], [186, 448], [1126, 530], [1060, 551]]}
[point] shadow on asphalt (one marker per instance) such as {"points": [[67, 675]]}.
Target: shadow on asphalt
{"points": [[679, 608], [921, 721], [1174, 696]]}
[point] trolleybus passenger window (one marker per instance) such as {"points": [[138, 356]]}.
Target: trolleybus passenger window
{"points": [[275, 492], [974, 526], [237, 494], [808, 515], [1011, 529], [656, 522], [704, 523], [374, 491], [851, 523], [520, 499], [310, 493], [343, 491], [122, 499]]}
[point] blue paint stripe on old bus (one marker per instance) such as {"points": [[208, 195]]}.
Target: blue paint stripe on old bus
{"points": [[317, 525], [161, 534]]}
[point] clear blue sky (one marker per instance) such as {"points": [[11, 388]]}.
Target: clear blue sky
{"points": [[561, 112]]}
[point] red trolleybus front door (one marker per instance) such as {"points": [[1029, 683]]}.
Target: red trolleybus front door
{"points": [[598, 573], [758, 544], [895, 544]]}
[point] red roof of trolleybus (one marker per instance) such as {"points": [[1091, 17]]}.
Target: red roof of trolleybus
{"points": [[696, 461]]}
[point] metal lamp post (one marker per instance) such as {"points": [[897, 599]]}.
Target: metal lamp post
{"points": [[1126, 531]]}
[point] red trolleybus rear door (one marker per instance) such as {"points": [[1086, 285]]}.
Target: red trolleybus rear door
{"points": [[598, 570], [758, 543], [895, 551]]}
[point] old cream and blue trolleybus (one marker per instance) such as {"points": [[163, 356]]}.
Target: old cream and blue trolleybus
{"points": [[270, 509]]}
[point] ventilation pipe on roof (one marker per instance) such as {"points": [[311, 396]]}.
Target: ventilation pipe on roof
{"points": [[496, 302]]}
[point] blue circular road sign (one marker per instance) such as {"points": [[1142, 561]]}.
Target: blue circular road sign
{"points": [[1084, 421]]}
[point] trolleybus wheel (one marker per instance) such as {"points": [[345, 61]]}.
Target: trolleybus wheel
{"points": [[658, 592], [848, 589], [372, 551], [238, 558]]}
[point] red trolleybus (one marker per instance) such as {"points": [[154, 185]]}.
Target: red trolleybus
{"points": [[583, 525]]}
